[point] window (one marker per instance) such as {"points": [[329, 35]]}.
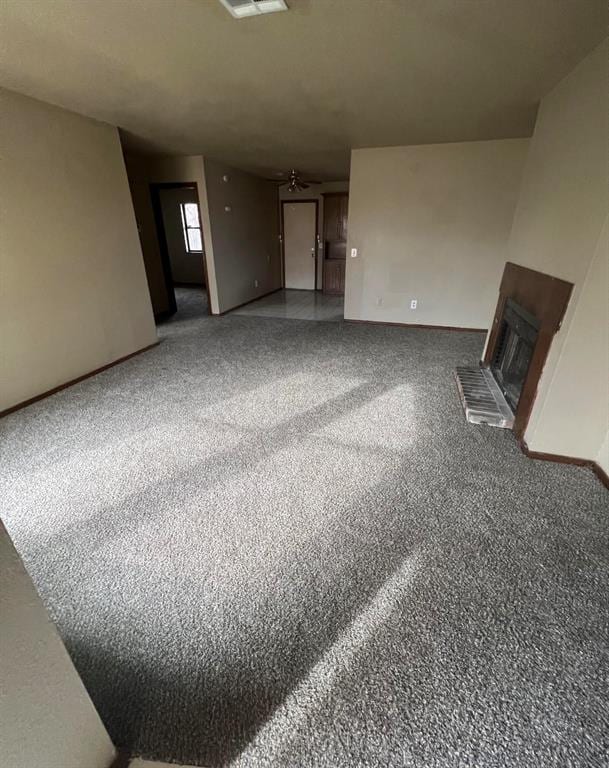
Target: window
{"points": [[193, 239]]}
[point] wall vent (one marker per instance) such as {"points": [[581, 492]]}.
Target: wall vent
{"points": [[242, 8]]}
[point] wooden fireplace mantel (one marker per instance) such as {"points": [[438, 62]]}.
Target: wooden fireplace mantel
{"points": [[546, 298]]}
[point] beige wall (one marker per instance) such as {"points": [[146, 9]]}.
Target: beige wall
{"points": [[145, 170], [316, 192], [47, 719], [573, 417], [431, 223], [602, 457], [245, 239], [73, 291], [560, 227], [140, 193]]}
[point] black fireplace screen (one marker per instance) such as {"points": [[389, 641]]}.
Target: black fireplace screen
{"points": [[514, 350]]}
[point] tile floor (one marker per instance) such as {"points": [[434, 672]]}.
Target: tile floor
{"points": [[296, 305]]}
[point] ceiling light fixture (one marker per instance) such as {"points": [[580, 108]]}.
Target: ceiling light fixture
{"points": [[294, 182], [240, 9]]}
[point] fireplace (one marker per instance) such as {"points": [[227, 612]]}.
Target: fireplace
{"points": [[530, 309], [513, 351], [501, 390]]}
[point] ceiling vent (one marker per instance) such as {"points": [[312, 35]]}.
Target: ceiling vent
{"points": [[242, 8]]}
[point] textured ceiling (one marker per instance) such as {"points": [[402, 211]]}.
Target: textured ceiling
{"points": [[299, 88]]}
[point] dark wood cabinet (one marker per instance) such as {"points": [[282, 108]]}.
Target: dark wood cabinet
{"points": [[335, 216], [336, 207], [334, 276], [342, 217]]}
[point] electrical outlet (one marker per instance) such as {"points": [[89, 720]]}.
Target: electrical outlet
{"points": [[413, 304], [255, 283]]}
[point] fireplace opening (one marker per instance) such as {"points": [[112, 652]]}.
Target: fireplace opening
{"points": [[514, 349], [501, 390]]}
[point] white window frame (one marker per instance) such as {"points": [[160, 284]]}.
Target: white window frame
{"points": [[187, 227]]}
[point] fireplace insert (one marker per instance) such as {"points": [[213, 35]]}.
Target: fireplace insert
{"points": [[514, 349]]}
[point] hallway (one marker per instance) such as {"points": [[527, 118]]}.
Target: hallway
{"points": [[296, 305], [192, 304]]}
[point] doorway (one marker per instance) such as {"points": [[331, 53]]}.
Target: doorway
{"points": [[179, 230], [299, 225], [336, 205]]}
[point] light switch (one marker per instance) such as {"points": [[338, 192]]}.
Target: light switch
{"points": [[354, 253]]}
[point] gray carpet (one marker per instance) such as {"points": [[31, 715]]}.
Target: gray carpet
{"points": [[191, 302], [277, 543]]}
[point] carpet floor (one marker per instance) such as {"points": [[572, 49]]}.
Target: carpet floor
{"points": [[275, 542]]}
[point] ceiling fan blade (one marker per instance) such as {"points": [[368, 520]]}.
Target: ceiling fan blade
{"points": [[294, 182]]}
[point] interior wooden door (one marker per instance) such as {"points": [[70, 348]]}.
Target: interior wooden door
{"points": [[299, 236], [335, 242]]}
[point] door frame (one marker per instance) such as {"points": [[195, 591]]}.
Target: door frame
{"points": [[324, 257], [157, 212], [291, 202]]}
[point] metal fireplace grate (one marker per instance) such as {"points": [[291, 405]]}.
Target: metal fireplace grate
{"points": [[482, 399]]}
